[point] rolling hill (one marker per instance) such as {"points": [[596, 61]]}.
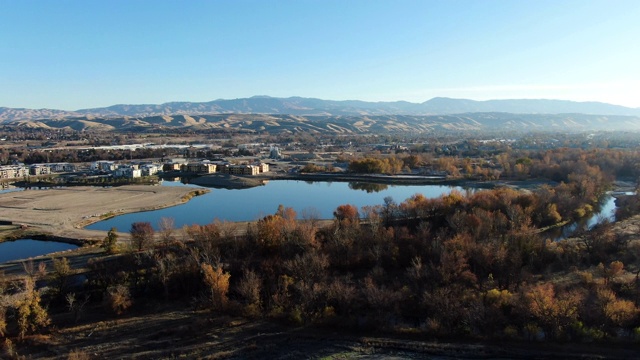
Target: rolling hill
{"points": [[297, 114], [310, 106], [364, 124]]}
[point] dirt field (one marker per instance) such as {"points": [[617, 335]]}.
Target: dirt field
{"points": [[65, 211]]}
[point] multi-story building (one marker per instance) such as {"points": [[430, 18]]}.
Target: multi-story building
{"points": [[126, 171], [208, 168], [103, 165], [39, 169], [13, 171], [61, 167], [149, 169], [171, 167], [193, 167], [264, 167], [242, 169]]}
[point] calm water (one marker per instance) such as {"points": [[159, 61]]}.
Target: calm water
{"points": [[26, 248], [607, 212], [254, 203], [9, 189]]}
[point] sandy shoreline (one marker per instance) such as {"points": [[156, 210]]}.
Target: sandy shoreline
{"points": [[65, 211]]}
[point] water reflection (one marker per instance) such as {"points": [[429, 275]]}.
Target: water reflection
{"points": [[368, 187]]}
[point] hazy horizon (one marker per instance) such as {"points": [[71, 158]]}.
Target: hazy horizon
{"points": [[75, 55]]}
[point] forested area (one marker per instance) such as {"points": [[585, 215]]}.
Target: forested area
{"points": [[464, 265], [554, 164]]}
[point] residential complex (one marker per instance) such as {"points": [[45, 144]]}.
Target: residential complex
{"points": [[13, 171]]}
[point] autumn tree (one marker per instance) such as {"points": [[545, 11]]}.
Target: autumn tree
{"points": [[118, 299], [141, 234], [347, 214], [3, 307], [217, 282], [270, 232], [614, 269], [109, 244], [31, 315], [553, 311], [60, 275]]}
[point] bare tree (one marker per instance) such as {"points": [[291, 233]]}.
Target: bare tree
{"points": [[249, 289], [166, 227], [311, 215], [76, 307], [141, 234]]}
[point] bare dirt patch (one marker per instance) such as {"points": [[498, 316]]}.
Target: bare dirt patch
{"points": [[64, 211]]}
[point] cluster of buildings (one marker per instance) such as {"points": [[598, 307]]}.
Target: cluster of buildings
{"points": [[131, 170], [135, 170], [13, 171], [21, 170], [211, 167]]}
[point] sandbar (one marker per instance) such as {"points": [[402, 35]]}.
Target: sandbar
{"points": [[65, 211]]}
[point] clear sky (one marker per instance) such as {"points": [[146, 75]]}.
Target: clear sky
{"points": [[80, 54]]}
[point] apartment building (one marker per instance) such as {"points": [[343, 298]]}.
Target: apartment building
{"points": [[13, 171]]}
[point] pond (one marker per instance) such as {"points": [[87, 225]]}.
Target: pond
{"points": [[26, 248], [320, 198]]}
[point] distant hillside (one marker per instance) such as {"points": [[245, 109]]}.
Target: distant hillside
{"points": [[11, 114], [310, 106], [258, 123]]}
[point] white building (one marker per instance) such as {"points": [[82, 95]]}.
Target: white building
{"points": [[103, 165], [149, 169], [128, 172]]}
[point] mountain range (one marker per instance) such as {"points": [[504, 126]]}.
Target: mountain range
{"points": [[311, 107], [267, 114]]}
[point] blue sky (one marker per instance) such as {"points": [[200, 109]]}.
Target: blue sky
{"points": [[80, 54]]}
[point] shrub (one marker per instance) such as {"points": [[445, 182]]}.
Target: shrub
{"points": [[118, 299], [110, 242]]}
